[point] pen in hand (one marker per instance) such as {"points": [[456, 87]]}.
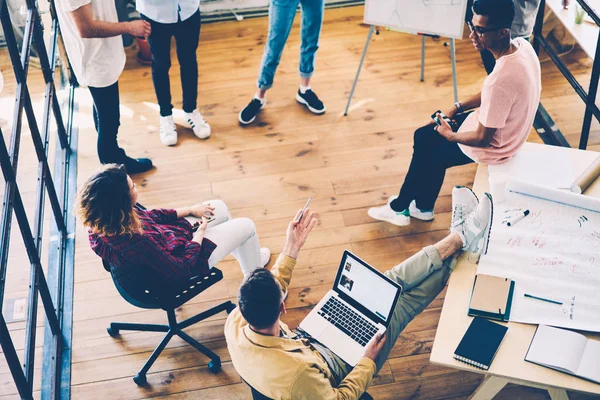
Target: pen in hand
{"points": [[304, 209]]}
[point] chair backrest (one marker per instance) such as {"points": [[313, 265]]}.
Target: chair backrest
{"points": [[143, 287]]}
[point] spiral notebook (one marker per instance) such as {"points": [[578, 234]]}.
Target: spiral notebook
{"points": [[480, 343]]}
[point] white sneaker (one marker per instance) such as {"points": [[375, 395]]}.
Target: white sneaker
{"points": [[385, 213], [423, 215], [265, 256], [200, 127], [464, 202], [168, 133], [475, 231]]}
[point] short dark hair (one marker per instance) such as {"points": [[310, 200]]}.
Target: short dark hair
{"points": [[260, 298], [500, 13]]}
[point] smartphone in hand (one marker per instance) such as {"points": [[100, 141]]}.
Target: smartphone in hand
{"points": [[435, 119]]}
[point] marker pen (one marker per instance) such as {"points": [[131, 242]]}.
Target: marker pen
{"points": [[518, 218]]}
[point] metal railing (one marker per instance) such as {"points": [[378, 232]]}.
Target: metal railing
{"points": [[56, 289], [589, 97]]}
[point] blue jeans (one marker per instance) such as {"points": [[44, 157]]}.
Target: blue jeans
{"points": [[281, 18]]}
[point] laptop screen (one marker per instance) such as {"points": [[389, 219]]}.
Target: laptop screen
{"points": [[367, 286]]}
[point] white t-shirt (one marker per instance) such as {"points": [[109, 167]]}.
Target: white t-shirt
{"points": [[97, 62]]}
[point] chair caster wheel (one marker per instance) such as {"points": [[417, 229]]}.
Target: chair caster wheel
{"points": [[214, 366], [230, 308], [112, 331], [139, 379]]}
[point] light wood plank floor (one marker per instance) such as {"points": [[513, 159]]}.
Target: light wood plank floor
{"points": [[266, 172]]}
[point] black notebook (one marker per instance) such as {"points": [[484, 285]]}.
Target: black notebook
{"points": [[480, 343]]}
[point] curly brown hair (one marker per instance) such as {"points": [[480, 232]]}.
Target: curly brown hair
{"points": [[104, 203]]}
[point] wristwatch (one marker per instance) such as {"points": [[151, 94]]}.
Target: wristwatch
{"points": [[459, 107]]}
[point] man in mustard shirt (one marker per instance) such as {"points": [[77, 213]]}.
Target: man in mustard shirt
{"points": [[284, 364]]}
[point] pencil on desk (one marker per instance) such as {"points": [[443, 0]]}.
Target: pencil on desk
{"points": [[541, 299]]}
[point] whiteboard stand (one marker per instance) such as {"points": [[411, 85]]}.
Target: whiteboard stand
{"points": [[364, 53], [423, 58], [453, 56]]}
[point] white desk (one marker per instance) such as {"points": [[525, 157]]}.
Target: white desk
{"points": [[586, 34], [509, 364]]}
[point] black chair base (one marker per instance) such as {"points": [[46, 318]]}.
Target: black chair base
{"points": [[174, 328]]}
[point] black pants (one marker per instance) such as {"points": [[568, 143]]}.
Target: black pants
{"points": [[107, 119], [432, 155], [187, 34]]}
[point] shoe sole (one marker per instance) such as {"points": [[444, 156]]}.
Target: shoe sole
{"points": [[253, 118], [486, 235], [388, 220], [169, 144], [312, 110]]}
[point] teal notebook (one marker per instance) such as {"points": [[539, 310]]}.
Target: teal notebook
{"points": [[491, 297]]}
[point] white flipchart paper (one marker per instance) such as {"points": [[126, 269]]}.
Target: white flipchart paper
{"points": [[553, 253]]}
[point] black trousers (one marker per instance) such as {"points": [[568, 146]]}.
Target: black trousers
{"points": [[432, 155], [107, 119], [187, 34]]}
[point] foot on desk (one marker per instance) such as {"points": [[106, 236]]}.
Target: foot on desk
{"points": [[475, 231]]}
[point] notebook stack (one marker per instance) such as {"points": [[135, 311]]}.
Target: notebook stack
{"points": [[491, 297]]}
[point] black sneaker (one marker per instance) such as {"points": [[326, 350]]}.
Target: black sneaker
{"points": [[137, 165], [311, 101], [248, 114]]}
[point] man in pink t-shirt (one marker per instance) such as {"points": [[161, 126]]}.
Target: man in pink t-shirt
{"points": [[492, 134]]}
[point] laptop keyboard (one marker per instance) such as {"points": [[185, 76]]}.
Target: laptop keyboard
{"points": [[348, 321]]}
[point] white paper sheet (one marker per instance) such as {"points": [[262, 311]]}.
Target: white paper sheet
{"points": [[545, 167], [553, 253]]}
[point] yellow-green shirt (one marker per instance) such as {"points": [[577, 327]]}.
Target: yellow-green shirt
{"points": [[284, 368]]}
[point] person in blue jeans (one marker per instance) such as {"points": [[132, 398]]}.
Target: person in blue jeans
{"points": [[281, 18]]}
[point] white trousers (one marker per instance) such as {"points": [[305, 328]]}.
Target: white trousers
{"points": [[236, 236]]}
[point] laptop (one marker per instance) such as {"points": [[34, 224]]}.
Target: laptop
{"points": [[360, 304]]}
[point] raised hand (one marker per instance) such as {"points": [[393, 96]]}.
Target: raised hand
{"points": [[298, 231]]}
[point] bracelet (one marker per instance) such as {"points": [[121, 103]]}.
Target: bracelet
{"points": [[458, 106]]}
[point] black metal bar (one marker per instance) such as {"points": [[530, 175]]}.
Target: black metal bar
{"points": [[126, 326], [204, 315], [591, 99], [22, 220], [539, 22], [57, 343], [10, 186], [547, 129], [48, 65], [13, 361], [56, 375], [198, 346], [544, 124], [565, 71], [161, 346], [590, 11]]}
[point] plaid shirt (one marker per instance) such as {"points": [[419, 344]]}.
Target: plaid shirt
{"points": [[165, 245]]}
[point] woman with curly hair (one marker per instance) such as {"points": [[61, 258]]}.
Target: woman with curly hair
{"points": [[122, 232]]}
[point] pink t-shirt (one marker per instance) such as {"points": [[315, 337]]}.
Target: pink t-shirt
{"points": [[509, 101]]}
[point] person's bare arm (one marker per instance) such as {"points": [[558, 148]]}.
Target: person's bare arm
{"points": [[469, 104], [481, 137], [89, 27]]}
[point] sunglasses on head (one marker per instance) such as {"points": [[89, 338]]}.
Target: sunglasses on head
{"points": [[479, 31]]}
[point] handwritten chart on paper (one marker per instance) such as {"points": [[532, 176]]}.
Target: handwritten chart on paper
{"points": [[554, 253], [435, 17]]}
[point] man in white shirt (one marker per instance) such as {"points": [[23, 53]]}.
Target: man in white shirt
{"points": [[179, 18], [92, 36]]}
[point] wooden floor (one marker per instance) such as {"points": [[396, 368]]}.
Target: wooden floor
{"points": [[266, 172]]}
